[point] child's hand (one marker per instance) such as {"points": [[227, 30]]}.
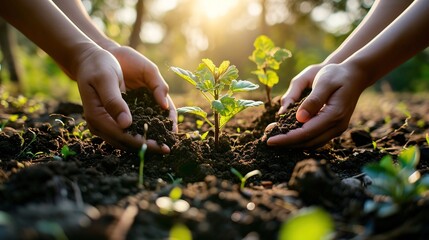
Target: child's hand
{"points": [[326, 112], [139, 71], [100, 83]]}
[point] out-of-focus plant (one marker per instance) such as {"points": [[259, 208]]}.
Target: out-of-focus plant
{"points": [[400, 183]]}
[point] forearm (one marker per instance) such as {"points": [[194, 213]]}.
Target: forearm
{"points": [[44, 24], [76, 12], [404, 38], [382, 13]]}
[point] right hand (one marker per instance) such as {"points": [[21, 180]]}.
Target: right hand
{"points": [[327, 110]]}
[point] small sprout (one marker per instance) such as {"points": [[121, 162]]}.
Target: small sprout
{"points": [[80, 131], [142, 153], [238, 130], [172, 203], [67, 152], [3, 125], [374, 145], [268, 58], [297, 227], [247, 176], [174, 181], [401, 182]]}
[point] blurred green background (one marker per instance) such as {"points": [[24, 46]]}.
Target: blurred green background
{"points": [[182, 32]]}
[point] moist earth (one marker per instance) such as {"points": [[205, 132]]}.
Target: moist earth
{"points": [[90, 191]]}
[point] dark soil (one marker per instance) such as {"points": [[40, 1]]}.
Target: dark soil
{"points": [[93, 194]]}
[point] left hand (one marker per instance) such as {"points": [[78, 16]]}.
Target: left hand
{"points": [[139, 71]]}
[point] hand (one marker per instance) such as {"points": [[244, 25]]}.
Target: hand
{"points": [[298, 84], [139, 71], [326, 112], [100, 83]]}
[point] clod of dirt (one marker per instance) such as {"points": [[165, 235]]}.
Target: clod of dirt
{"points": [[145, 110]]}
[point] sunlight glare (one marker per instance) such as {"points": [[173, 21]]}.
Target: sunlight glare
{"points": [[215, 8]]}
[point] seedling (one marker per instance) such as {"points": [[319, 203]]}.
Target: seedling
{"points": [[142, 153], [401, 183], [247, 176], [217, 85], [172, 203], [268, 58], [67, 152]]}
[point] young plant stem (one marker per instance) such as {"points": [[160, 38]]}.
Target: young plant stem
{"points": [[216, 120], [268, 91]]}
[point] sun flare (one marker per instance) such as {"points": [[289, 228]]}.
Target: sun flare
{"points": [[215, 8]]}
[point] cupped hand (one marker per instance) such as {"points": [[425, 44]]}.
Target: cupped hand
{"points": [[139, 71], [327, 110], [100, 82]]}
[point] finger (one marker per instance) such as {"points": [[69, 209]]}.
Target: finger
{"points": [[118, 138], [310, 130], [173, 114], [111, 99], [293, 93], [314, 102]]}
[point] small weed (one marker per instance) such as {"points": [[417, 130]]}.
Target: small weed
{"points": [[66, 152], [244, 178]]}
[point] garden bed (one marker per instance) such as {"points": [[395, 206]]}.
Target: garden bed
{"points": [[46, 193]]}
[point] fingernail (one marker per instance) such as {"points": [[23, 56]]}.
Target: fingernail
{"points": [[165, 149], [271, 141], [281, 110], [123, 120], [303, 116]]}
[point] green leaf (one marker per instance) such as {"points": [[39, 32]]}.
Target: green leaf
{"points": [[237, 173], [242, 86], [251, 174], [258, 56], [231, 73], [223, 67], [210, 65], [192, 110], [272, 78], [281, 54], [228, 107], [387, 164], [308, 224], [264, 43], [185, 74], [206, 86], [409, 158]]}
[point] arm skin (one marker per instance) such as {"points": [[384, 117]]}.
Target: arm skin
{"points": [[337, 87], [77, 46]]}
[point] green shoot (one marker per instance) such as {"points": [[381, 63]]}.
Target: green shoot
{"points": [[297, 227], [67, 152], [217, 85], [401, 182], [174, 181], [244, 178], [142, 153], [3, 125], [268, 58]]}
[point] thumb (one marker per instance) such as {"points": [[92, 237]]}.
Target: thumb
{"points": [[314, 102]]}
